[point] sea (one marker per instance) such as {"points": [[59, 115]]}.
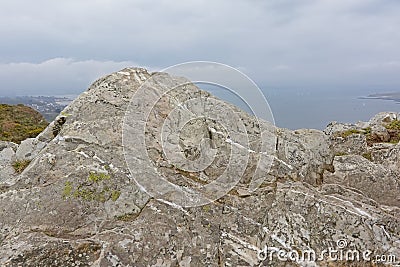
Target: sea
{"points": [[315, 109], [303, 108]]}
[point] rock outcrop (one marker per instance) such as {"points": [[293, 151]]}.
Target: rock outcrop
{"points": [[89, 196]]}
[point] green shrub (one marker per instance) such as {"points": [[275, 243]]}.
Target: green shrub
{"points": [[394, 125], [394, 131]]}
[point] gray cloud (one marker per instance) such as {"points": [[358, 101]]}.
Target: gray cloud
{"points": [[54, 77], [280, 43]]}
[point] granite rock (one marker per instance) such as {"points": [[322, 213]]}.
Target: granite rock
{"points": [[84, 201]]}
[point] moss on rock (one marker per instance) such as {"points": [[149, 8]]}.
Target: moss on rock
{"points": [[97, 187]]}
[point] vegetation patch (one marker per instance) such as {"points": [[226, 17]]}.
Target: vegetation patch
{"points": [[20, 165], [92, 194], [394, 125], [347, 133], [68, 187], [19, 122], [65, 114], [393, 129], [126, 217], [206, 208], [98, 177], [115, 195], [368, 156], [97, 187]]}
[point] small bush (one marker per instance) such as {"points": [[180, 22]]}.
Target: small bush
{"points": [[394, 125], [393, 129]]}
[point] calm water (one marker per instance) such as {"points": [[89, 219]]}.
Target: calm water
{"points": [[316, 109], [296, 109]]}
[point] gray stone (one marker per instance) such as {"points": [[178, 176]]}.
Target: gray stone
{"points": [[353, 144], [7, 157], [383, 118], [371, 179], [79, 203], [334, 127], [29, 149], [306, 152]]}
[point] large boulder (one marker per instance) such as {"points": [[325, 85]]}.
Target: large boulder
{"points": [[85, 201]]}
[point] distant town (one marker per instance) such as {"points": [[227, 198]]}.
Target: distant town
{"points": [[48, 106]]}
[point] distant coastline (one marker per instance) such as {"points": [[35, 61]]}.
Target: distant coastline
{"points": [[292, 109], [49, 106], [385, 96]]}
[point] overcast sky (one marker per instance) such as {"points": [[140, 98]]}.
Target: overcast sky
{"points": [[60, 47]]}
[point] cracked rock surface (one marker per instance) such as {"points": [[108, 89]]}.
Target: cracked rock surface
{"points": [[77, 203]]}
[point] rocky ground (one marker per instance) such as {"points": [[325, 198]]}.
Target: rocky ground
{"points": [[78, 202]]}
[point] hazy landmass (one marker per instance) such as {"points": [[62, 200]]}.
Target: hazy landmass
{"points": [[18, 122], [48, 106], [395, 96]]}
